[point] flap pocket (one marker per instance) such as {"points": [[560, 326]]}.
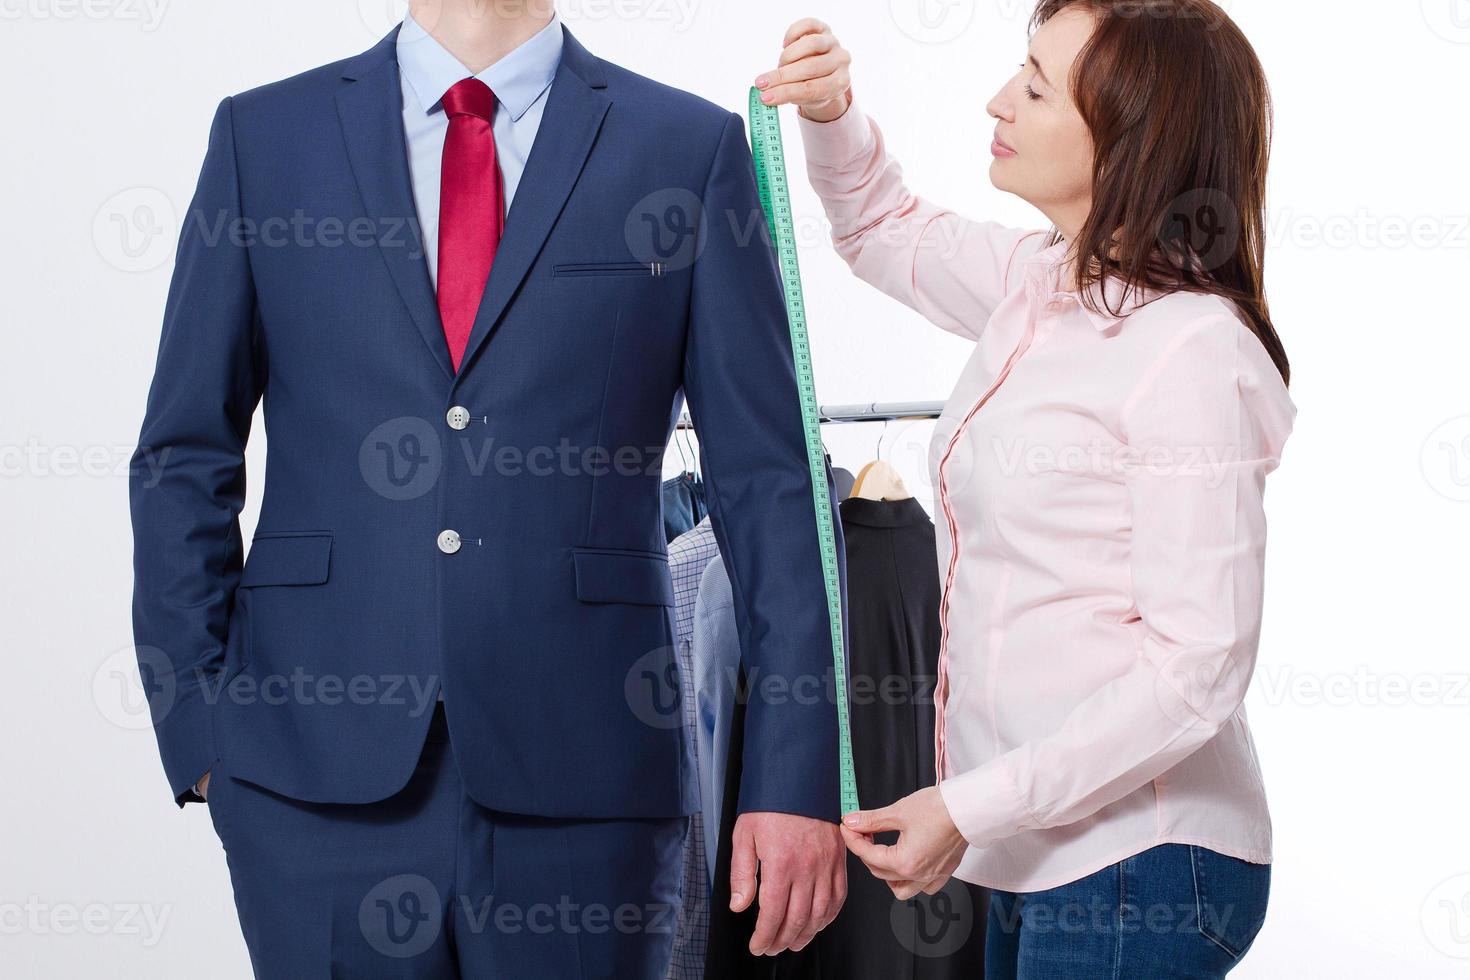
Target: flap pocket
{"points": [[612, 575], [287, 559]]}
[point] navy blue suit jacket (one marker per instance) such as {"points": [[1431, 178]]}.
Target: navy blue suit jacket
{"points": [[634, 264]]}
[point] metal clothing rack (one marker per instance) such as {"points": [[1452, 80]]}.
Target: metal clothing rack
{"points": [[866, 412]]}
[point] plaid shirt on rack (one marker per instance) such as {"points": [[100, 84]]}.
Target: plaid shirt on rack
{"points": [[689, 553]]}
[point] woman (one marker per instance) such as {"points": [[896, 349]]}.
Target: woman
{"points": [[1099, 473]]}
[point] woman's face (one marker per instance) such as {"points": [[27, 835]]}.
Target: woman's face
{"points": [[1045, 156]]}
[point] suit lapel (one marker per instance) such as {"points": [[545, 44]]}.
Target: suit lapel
{"points": [[575, 108], [371, 113]]}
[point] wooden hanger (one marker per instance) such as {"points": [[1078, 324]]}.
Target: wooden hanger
{"points": [[879, 480]]}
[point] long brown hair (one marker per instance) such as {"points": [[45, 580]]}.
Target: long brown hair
{"points": [[1180, 116]]}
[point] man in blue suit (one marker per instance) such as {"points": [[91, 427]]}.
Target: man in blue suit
{"points": [[429, 708]]}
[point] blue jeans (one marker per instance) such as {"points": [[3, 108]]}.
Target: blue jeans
{"points": [[1172, 912]]}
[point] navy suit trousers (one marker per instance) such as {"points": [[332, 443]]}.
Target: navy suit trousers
{"points": [[428, 883]]}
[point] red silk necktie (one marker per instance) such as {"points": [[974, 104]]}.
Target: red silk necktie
{"points": [[470, 212]]}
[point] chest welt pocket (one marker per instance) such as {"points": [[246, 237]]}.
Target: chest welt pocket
{"points": [[287, 558], [649, 269], [614, 575]]}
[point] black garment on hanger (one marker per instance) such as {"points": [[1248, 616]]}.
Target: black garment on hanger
{"points": [[892, 646], [893, 572]]}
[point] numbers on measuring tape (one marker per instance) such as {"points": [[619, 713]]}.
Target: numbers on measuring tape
{"points": [[770, 172]]}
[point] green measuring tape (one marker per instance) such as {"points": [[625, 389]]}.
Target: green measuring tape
{"points": [[770, 174]]}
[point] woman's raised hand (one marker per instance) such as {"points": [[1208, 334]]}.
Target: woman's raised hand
{"points": [[812, 73]]}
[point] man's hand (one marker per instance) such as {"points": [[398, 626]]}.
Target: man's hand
{"points": [[929, 846], [202, 787], [803, 877]]}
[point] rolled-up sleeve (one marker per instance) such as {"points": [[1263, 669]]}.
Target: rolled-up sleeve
{"points": [[952, 270], [1204, 425]]}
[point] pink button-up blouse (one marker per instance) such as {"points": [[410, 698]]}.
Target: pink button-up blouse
{"points": [[1099, 487]]}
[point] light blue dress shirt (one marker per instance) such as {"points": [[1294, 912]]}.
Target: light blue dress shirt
{"points": [[520, 81], [715, 658]]}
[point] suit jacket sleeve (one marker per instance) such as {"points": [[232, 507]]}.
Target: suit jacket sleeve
{"points": [[740, 382], [187, 478]]}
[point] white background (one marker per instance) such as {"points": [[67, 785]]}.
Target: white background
{"points": [[1361, 707]]}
